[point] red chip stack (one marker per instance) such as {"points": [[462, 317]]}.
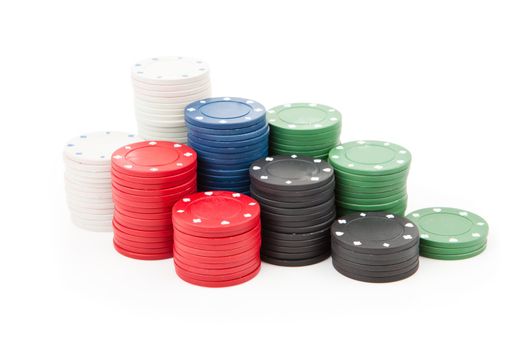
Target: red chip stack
{"points": [[217, 238], [148, 178]]}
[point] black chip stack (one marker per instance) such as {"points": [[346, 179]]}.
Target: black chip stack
{"points": [[296, 195], [375, 247]]}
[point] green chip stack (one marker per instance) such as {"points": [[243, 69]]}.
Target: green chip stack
{"points": [[449, 233], [370, 176], [306, 129]]}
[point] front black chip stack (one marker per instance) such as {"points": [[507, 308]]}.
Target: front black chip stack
{"points": [[297, 201], [375, 247]]}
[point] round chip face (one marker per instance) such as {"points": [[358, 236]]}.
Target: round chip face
{"points": [[291, 172], [216, 211], [374, 232], [225, 113], [154, 158], [169, 70], [370, 157], [304, 116], [449, 226], [96, 147]]}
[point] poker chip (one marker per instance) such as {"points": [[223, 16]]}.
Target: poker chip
{"points": [[296, 195], [217, 238], [449, 233], [148, 178], [370, 176], [307, 129], [87, 162], [375, 246], [228, 133], [163, 86]]}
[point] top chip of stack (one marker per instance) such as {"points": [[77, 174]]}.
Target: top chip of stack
{"points": [[163, 87], [371, 176], [228, 134], [296, 195], [87, 160], [307, 129], [148, 178], [375, 247]]}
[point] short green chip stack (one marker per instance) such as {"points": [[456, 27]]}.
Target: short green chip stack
{"points": [[449, 233], [370, 176], [306, 129]]}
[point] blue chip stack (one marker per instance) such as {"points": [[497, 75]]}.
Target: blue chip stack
{"points": [[229, 134]]}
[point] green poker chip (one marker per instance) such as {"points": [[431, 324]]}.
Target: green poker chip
{"points": [[364, 194], [308, 118], [372, 184], [345, 188], [370, 158], [376, 178], [307, 147], [471, 254], [373, 207], [453, 250], [370, 201], [449, 227]]}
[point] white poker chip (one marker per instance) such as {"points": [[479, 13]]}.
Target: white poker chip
{"points": [[170, 70], [172, 94], [171, 88], [187, 99], [97, 147]]}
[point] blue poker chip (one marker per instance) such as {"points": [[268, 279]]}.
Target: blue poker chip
{"points": [[206, 164], [231, 156], [224, 113], [219, 178], [245, 149], [227, 172], [240, 131], [228, 138], [242, 189], [219, 144], [209, 183]]}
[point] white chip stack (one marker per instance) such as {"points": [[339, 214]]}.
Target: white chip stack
{"points": [[87, 161], [163, 87]]}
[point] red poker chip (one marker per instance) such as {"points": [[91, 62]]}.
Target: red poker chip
{"points": [[216, 213], [255, 244], [156, 193], [154, 158], [152, 182], [220, 284], [141, 233], [137, 201], [218, 272], [218, 247], [154, 199], [133, 223], [118, 202], [140, 250], [191, 237], [142, 239], [212, 265], [219, 278], [247, 255], [140, 256], [149, 216], [145, 222], [163, 246]]}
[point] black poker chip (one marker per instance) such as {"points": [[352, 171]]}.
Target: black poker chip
{"points": [[375, 259], [293, 256], [297, 217], [295, 263], [271, 240], [369, 279], [305, 229], [284, 202], [325, 232], [321, 208], [352, 265], [295, 195], [291, 222], [376, 273], [291, 173], [323, 246]]}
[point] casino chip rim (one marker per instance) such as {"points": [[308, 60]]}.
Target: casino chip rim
{"points": [[332, 119], [145, 71]]}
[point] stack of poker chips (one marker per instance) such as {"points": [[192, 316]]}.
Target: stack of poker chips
{"points": [[163, 87], [306, 129], [449, 233], [375, 247], [87, 161], [217, 238], [228, 134], [296, 195], [148, 178], [371, 176]]}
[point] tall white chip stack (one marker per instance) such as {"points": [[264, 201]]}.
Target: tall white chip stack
{"points": [[163, 87], [87, 162]]}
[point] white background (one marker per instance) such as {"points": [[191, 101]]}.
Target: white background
{"points": [[446, 79]]}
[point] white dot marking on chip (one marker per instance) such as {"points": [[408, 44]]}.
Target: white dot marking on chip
{"points": [[339, 233]]}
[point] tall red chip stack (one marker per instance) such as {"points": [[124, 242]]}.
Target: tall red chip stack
{"points": [[217, 238], [148, 178]]}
